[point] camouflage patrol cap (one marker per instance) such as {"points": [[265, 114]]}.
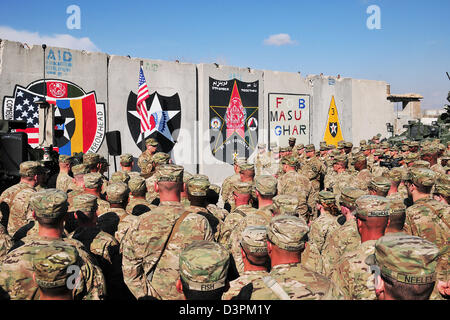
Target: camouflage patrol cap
{"points": [[92, 180], [414, 144], [292, 139], [286, 204], [80, 169], [395, 148], [254, 240], [246, 167], [126, 158], [288, 232], [145, 164], [240, 161], [362, 142], [405, 258], [187, 176], [266, 185], [91, 158], [331, 147], [204, 265], [31, 168], [421, 164], [404, 148], [359, 157], [372, 206], [340, 144], [215, 188], [51, 262], [285, 149], [262, 145], [85, 203], [335, 153], [300, 146], [380, 183], [378, 152], [273, 145], [323, 147], [200, 176], [198, 187], [327, 197], [120, 176], [117, 192], [412, 156], [170, 172], [161, 158], [137, 186], [49, 203], [384, 145], [310, 147], [422, 176], [349, 195], [398, 174], [442, 185], [396, 207], [151, 141], [242, 187], [364, 147], [429, 149], [341, 158], [290, 160], [348, 145], [63, 158]]}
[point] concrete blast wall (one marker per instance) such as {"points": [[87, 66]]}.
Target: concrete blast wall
{"points": [[191, 105]]}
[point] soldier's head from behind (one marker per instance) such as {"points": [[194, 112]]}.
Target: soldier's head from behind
{"points": [[360, 162], [310, 150], [120, 176], [85, 209], [92, 161], [419, 182], [126, 162], [429, 153], [327, 203], [137, 187], [289, 163], [117, 194], [169, 183], [265, 187], [285, 204], [347, 201], [340, 163], [52, 270], [237, 162], [372, 216], [397, 216], [261, 148], [348, 146], [247, 172], [93, 183], [254, 248], [31, 172], [203, 271], [442, 189], [49, 208], [197, 190], [406, 265], [65, 163], [379, 186], [242, 192], [286, 238]]}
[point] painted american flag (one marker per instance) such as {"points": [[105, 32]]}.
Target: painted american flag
{"points": [[141, 105]]}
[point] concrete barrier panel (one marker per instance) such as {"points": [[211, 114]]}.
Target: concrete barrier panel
{"points": [[171, 106], [230, 116]]}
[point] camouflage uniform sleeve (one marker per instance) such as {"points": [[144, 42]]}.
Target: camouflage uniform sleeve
{"points": [[339, 277]]}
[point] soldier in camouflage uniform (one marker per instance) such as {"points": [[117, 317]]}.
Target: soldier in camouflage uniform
{"points": [[241, 193], [407, 267], [397, 216], [345, 238], [151, 247], [275, 163], [253, 250], [127, 163], [6, 242], [93, 185], [397, 189], [151, 146], [285, 204], [29, 172], [294, 183], [158, 158], [184, 196], [442, 189], [341, 179], [428, 218], [117, 196], [203, 269], [351, 273], [262, 161], [20, 210], [103, 246], [138, 189], [49, 207], [64, 181], [361, 173], [119, 176], [288, 278], [320, 229], [78, 171], [51, 270]]}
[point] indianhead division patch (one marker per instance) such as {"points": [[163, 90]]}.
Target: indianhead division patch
{"points": [[235, 104], [79, 118], [164, 117]]}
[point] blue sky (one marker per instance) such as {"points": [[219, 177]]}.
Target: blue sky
{"points": [[411, 51]]}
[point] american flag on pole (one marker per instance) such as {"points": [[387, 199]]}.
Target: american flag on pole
{"points": [[141, 106]]}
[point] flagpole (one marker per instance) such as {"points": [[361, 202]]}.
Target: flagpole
{"points": [[142, 134]]}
